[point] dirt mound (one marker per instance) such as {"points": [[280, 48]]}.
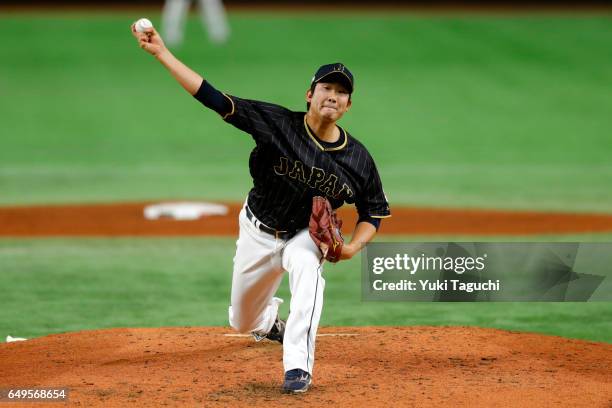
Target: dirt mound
{"points": [[377, 366], [127, 219]]}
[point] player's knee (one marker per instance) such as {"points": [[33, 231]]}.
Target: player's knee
{"points": [[238, 325], [240, 328], [238, 322]]}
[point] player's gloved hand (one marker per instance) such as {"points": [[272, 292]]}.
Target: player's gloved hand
{"points": [[324, 228], [150, 40]]}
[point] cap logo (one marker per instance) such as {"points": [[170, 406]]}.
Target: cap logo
{"points": [[329, 69]]}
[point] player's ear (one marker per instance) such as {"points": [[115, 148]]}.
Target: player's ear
{"points": [[309, 96], [348, 105]]}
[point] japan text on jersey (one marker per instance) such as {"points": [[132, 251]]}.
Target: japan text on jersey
{"points": [[290, 165]]}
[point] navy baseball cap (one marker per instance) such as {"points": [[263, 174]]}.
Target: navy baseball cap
{"points": [[336, 72]]}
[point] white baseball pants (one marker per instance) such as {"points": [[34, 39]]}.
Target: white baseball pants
{"points": [[259, 264]]}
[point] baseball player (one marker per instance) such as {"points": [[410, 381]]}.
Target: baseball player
{"points": [[212, 14], [297, 156]]}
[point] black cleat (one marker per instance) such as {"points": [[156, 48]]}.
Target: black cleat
{"points": [[276, 333]]}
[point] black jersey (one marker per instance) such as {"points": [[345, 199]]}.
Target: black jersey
{"points": [[290, 165]]}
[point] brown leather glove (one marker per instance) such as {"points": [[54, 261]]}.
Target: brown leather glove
{"points": [[325, 227]]}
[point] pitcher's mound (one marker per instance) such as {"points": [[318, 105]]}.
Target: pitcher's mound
{"points": [[369, 366]]}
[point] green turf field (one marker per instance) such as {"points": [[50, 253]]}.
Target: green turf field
{"points": [[463, 111], [496, 112], [64, 285]]}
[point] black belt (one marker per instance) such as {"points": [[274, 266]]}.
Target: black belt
{"points": [[263, 227]]}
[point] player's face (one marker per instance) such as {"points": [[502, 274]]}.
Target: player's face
{"points": [[330, 100]]}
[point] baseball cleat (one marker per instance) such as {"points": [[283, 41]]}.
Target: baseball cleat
{"points": [[276, 333], [296, 381]]}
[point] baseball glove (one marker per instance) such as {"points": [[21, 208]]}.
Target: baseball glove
{"points": [[325, 227]]}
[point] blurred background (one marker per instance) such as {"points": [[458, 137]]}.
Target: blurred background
{"points": [[496, 106], [485, 108]]}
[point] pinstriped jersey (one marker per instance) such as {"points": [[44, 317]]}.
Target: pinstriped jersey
{"points": [[290, 165]]}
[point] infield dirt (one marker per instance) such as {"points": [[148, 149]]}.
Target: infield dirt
{"points": [[371, 366], [127, 219]]}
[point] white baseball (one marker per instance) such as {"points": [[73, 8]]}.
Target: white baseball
{"points": [[143, 24]]}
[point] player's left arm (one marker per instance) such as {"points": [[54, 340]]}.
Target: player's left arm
{"points": [[363, 233], [372, 207]]}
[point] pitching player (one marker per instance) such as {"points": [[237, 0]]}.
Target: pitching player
{"points": [[297, 156]]}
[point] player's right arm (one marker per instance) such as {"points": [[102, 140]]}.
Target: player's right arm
{"points": [[247, 115], [151, 42]]}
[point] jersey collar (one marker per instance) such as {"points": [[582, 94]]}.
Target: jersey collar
{"points": [[318, 143]]}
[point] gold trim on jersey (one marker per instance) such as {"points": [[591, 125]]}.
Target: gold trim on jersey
{"points": [[381, 216], [227, 115], [326, 149]]}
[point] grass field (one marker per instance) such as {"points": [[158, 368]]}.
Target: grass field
{"points": [[460, 111], [463, 111], [69, 285]]}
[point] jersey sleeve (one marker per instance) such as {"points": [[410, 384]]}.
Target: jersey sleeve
{"points": [[261, 120], [212, 98], [372, 202]]}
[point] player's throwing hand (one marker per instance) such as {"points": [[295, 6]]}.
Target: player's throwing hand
{"points": [[149, 40]]}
